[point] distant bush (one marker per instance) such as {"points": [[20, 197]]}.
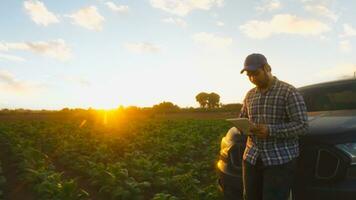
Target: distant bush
{"points": [[165, 107], [231, 107]]}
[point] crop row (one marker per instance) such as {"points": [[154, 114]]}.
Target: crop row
{"points": [[153, 159]]}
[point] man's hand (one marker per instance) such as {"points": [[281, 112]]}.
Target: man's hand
{"points": [[260, 130]]}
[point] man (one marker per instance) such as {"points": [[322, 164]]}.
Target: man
{"points": [[277, 115]]}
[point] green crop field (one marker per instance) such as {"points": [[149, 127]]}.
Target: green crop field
{"points": [[138, 158]]}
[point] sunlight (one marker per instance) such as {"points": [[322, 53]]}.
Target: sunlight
{"points": [[108, 116], [83, 123], [105, 118]]}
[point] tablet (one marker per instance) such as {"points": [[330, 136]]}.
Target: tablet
{"points": [[242, 124]]}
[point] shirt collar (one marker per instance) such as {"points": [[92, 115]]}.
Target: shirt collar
{"points": [[273, 85]]}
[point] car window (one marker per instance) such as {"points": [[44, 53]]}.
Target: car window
{"points": [[340, 96]]}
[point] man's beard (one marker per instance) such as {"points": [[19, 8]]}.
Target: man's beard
{"points": [[263, 84]]}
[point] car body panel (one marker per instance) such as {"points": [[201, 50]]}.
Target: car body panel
{"points": [[324, 171]]}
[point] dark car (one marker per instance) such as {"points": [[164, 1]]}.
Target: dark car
{"points": [[327, 162]]}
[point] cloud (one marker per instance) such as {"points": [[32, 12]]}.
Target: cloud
{"points": [[10, 84], [183, 7], [339, 71], [269, 5], [78, 80], [322, 10], [57, 49], [142, 47], [324, 38], [175, 21], [39, 13], [88, 18], [212, 40], [220, 23], [349, 31], [319, 2], [283, 23], [117, 8], [3, 47], [345, 46], [11, 57]]}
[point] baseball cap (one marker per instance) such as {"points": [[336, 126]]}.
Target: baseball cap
{"points": [[253, 62]]}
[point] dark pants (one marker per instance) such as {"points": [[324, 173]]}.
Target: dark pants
{"points": [[267, 182]]}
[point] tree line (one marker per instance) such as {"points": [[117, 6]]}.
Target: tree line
{"points": [[207, 101]]}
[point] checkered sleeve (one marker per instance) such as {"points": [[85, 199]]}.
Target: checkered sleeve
{"points": [[298, 119], [243, 111]]}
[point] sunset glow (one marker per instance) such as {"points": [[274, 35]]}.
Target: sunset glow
{"points": [[103, 54]]}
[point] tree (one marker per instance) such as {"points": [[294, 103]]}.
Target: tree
{"points": [[213, 100], [166, 107], [202, 98]]}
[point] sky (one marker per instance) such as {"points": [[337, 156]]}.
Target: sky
{"points": [[103, 54]]}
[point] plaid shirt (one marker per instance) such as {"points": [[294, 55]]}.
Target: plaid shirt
{"points": [[283, 110]]}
